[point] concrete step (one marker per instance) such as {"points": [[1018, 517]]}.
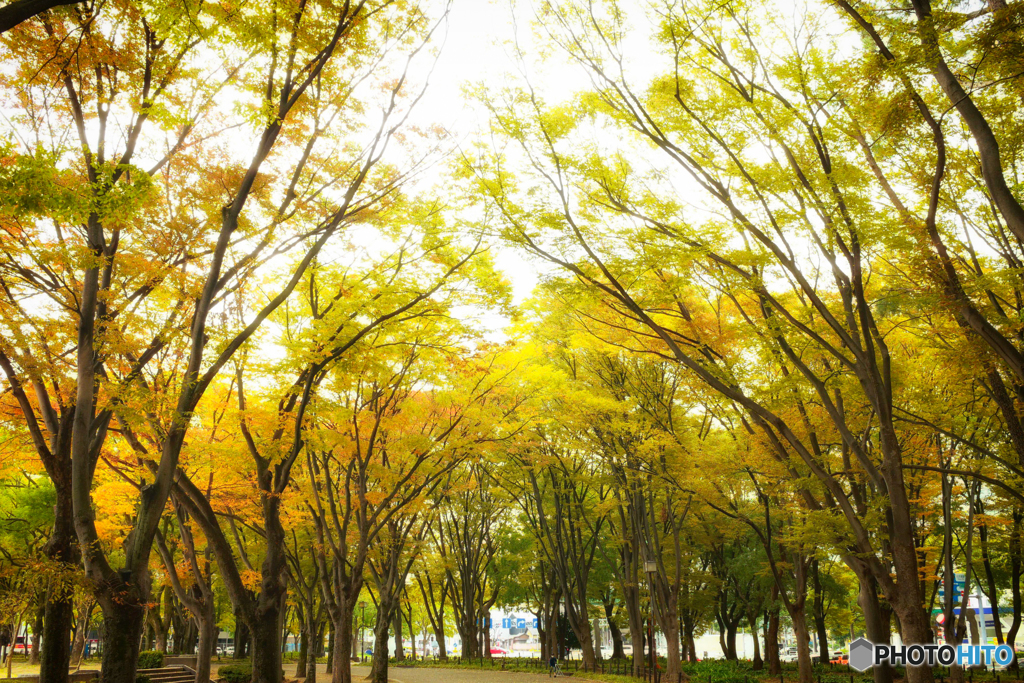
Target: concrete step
{"points": [[168, 674]]}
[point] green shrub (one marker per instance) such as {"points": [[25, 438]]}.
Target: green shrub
{"points": [[150, 660], [141, 678], [236, 673]]}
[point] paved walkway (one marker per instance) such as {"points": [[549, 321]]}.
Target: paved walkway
{"points": [[398, 674]]}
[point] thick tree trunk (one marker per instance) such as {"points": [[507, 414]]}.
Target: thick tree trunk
{"points": [[266, 643], [300, 663], [771, 641], [442, 649], [54, 659], [691, 643], [552, 634], [803, 645], [397, 627], [160, 639], [340, 664], [1015, 574], [636, 629], [37, 630], [730, 642], [586, 639], [21, 10], [616, 633], [241, 637], [990, 579], [81, 634], [757, 663], [330, 649], [379, 670], [470, 637], [315, 637], [672, 661], [906, 599], [123, 622], [819, 613], [876, 624], [207, 642], [62, 548]]}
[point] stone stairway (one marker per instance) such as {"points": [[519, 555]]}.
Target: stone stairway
{"points": [[168, 674]]}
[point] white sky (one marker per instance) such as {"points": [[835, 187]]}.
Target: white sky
{"points": [[476, 50]]}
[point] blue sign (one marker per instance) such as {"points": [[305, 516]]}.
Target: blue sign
{"points": [[535, 624], [521, 623]]}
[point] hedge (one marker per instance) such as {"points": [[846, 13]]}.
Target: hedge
{"points": [[236, 673], [150, 660]]}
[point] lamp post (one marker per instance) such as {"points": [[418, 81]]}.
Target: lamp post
{"points": [[362, 620], [651, 567]]}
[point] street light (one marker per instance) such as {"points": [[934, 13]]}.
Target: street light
{"points": [[362, 620], [651, 567]]}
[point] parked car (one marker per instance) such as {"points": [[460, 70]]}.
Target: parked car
{"points": [[498, 651]]}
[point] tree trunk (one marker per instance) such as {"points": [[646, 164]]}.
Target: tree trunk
{"points": [[552, 634], [758, 663], [379, 671], [316, 639], [160, 639], [730, 641], [330, 648], [1015, 574], [586, 644], [672, 661], [397, 627], [876, 624], [691, 643], [123, 622], [771, 642], [37, 630], [207, 642], [339, 663], [616, 633], [266, 642], [803, 644], [81, 635], [819, 614], [469, 635], [59, 615], [442, 650], [412, 636], [993, 593], [636, 629], [241, 637], [344, 638], [300, 663]]}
